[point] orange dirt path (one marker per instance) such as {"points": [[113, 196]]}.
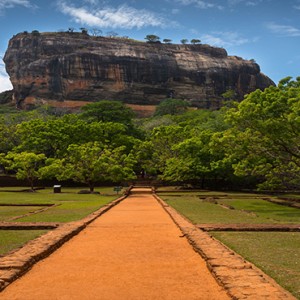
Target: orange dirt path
{"points": [[134, 251]]}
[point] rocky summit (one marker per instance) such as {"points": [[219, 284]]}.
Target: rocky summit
{"points": [[65, 68]]}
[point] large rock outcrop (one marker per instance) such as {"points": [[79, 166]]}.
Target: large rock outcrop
{"points": [[68, 67]]}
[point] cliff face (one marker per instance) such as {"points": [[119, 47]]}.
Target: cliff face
{"points": [[77, 67]]}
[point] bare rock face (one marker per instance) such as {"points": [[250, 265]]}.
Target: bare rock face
{"points": [[68, 67]]}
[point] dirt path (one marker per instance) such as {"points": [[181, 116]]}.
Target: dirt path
{"points": [[134, 251]]}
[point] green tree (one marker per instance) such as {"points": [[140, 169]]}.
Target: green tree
{"points": [[195, 41], [184, 41], [149, 124], [108, 111], [229, 95], [196, 160], [84, 30], [35, 32], [171, 107], [144, 154], [8, 139], [162, 141], [9, 122], [266, 135], [152, 38], [90, 163], [53, 136], [167, 41], [200, 119], [26, 165]]}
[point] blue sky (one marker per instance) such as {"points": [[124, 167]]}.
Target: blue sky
{"points": [[265, 30]]}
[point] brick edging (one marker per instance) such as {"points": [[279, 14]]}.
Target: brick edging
{"points": [[240, 278], [17, 263]]}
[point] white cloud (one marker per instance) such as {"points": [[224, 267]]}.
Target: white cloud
{"points": [[199, 4], [251, 3], [235, 2], [225, 39], [12, 3], [245, 2], [284, 30], [108, 17], [194, 31], [5, 83], [93, 2]]}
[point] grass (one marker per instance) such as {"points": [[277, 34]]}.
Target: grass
{"points": [[13, 239], [68, 211], [276, 253], [267, 210], [294, 196], [7, 109], [247, 208], [9, 212], [71, 206]]}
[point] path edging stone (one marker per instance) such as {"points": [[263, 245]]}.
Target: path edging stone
{"points": [[240, 278], [250, 227], [20, 261]]}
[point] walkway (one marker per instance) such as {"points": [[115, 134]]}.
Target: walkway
{"points": [[134, 251]]}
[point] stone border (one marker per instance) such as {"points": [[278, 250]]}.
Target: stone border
{"points": [[240, 278], [18, 262], [250, 227], [29, 226]]}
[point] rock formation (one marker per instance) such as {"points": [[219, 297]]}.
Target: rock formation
{"points": [[68, 67]]}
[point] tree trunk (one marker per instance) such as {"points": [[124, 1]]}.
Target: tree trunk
{"points": [[31, 182], [91, 185], [202, 182]]}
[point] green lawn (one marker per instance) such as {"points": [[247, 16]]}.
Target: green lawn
{"points": [[267, 210], [276, 253], [13, 239], [70, 207], [9, 212], [294, 196], [247, 208]]}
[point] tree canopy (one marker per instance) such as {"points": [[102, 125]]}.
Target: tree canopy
{"points": [[90, 163], [195, 41], [152, 38], [266, 126], [167, 41], [255, 143], [108, 111], [26, 165], [171, 107]]}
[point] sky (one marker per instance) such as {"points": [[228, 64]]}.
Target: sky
{"points": [[267, 31]]}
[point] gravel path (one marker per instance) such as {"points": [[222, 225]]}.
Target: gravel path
{"points": [[134, 251]]}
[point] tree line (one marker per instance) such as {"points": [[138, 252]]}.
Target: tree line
{"points": [[96, 32], [252, 143]]}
